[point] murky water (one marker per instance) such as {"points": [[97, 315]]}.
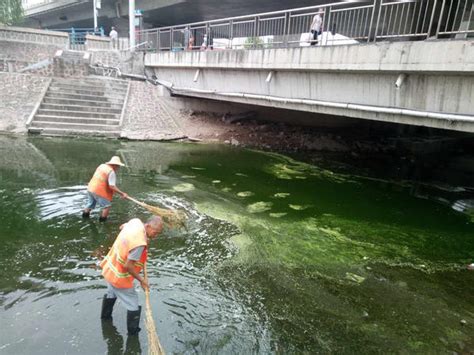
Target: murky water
{"points": [[279, 256]]}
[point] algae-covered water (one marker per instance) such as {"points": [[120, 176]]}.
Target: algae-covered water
{"points": [[279, 256]]}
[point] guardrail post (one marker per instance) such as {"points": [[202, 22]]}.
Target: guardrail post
{"points": [[377, 7], [433, 13], [231, 33], [326, 24], [369, 31], [158, 44], [285, 28]]}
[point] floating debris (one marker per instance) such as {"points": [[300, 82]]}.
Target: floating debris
{"points": [[281, 194], [241, 174], [226, 189], [197, 168], [298, 207], [188, 176], [278, 214], [259, 207], [355, 278], [216, 181], [245, 194], [183, 187]]}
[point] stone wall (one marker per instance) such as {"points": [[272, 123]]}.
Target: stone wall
{"points": [[96, 42], [128, 62], [29, 35], [20, 94], [15, 56]]}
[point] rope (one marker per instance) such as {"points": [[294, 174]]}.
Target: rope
{"points": [[154, 346]]}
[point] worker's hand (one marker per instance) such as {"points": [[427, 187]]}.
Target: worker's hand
{"points": [[144, 284], [124, 195]]}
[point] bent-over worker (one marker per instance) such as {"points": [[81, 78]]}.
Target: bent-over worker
{"points": [[123, 264], [102, 187]]}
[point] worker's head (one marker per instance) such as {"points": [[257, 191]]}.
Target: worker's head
{"points": [[153, 227], [113, 28], [115, 163]]}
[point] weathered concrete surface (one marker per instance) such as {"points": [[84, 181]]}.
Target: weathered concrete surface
{"points": [[148, 116], [439, 56], [353, 81], [20, 93]]}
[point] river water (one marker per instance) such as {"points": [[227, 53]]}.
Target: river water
{"points": [[278, 257]]}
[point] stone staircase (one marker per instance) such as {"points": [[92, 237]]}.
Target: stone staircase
{"points": [[85, 106]]}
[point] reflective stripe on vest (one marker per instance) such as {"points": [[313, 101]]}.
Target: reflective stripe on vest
{"points": [[133, 235], [99, 183]]}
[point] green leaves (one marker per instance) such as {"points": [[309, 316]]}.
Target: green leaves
{"points": [[11, 12]]}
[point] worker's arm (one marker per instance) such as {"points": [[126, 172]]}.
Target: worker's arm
{"points": [[112, 185], [133, 256], [129, 266], [118, 191]]}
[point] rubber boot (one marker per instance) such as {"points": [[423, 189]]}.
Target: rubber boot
{"points": [[132, 346], [133, 321], [107, 307], [102, 219], [86, 214]]}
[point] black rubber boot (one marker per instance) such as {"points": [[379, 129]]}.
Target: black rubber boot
{"points": [[107, 307], [102, 219], [86, 214], [133, 321]]}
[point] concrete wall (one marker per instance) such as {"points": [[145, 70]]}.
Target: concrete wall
{"points": [[353, 81], [28, 35]]}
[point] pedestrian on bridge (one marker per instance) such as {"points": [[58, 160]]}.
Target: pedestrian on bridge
{"points": [[316, 26], [114, 38], [123, 264], [102, 187]]}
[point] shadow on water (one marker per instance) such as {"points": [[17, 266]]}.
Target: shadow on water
{"points": [[279, 256]]}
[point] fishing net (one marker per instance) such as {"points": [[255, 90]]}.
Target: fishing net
{"points": [[171, 217], [154, 345]]}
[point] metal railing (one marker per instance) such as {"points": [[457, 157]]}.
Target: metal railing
{"points": [[341, 23]]}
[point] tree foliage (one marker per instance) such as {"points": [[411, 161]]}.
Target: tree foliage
{"points": [[11, 12]]}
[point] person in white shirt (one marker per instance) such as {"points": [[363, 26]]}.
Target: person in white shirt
{"points": [[316, 26], [113, 37]]}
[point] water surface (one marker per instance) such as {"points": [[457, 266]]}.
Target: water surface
{"points": [[279, 256]]}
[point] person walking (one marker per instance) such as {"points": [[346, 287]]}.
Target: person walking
{"points": [[123, 265], [114, 38], [316, 26], [102, 187]]}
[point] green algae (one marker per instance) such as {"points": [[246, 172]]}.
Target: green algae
{"points": [[184, 187], [259, 207], [245, 193]]}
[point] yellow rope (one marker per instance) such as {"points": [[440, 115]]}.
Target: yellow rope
{"points": [[154, 346]]}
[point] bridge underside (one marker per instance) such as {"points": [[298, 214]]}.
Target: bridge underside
{"points": [[426, 83]]}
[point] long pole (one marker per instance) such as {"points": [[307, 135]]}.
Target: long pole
{"points": [[131, 17], [95, 14]]}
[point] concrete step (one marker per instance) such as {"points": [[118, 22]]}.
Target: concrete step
{"points": [[83, 91], [74, 126], [58, 94], [62, 132], [81, 108], [84, 81], [119, 90], [71, 113], [90, 103], [75, 120]]}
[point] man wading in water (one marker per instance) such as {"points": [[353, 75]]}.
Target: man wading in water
{"points": [[102, 187], [123, 264]]}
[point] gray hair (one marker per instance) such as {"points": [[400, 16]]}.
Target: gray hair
{"points": [[155, 222]]}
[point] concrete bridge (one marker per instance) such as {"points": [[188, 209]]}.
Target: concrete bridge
{"points": [[405, 62]]}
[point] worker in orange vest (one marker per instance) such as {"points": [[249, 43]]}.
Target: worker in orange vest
{"points": [[102, 187], [123, 264]]}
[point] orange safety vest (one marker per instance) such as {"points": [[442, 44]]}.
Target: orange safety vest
{"points": [[99, 183], [133, 235]]}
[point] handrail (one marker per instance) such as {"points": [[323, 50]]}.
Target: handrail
{"points": [[339, 23]]}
